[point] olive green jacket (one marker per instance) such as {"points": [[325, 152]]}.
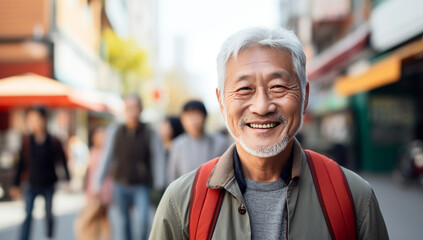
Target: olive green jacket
{"points": [[305, 217]]}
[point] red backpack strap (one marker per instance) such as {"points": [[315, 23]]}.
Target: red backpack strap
{"points": [[334, 195], [204, 204]]}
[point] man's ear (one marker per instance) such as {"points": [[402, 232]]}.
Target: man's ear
{"points": [[307, 91], [219, 100]]}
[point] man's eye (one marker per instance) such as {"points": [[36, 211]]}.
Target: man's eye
{"points": [[244, 89], [278, 87]]}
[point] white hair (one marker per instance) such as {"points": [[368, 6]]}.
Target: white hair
{"points": [[261, 36]]}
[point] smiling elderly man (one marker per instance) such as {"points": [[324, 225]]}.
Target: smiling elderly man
{"points": [[266, 186]]}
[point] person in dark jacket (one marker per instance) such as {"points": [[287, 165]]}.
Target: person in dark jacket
{"points": [[39, 154], [135, 161]]}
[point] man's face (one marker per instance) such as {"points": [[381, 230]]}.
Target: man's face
{"points": [[132, 112], [193, 122], [36, 122], [262, 100]]}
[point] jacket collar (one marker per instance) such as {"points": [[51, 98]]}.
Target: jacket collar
{"points": [[140, 127], [224, 172]]}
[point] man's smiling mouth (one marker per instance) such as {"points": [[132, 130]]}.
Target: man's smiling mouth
{"points": [[263, 126]]}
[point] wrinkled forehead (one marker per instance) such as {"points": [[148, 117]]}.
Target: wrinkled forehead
{"points": [[276, 62]]}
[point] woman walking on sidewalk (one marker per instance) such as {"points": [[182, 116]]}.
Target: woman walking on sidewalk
{"points": [[93, 223]]}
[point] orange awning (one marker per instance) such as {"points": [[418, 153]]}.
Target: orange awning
{"points": [[384, 72], [32, 89]]}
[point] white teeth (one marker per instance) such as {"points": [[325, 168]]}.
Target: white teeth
{"points": [[269, 125]]}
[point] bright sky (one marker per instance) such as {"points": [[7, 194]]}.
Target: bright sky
{"points": [[200, 27]]}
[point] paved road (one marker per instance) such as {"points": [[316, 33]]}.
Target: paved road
{"points": [[65, 206], [66, 209], [402, 207], [64, 229]]}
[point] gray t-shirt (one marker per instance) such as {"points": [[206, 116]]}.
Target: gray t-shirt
{"points": [[188, 153], [266, 203]]}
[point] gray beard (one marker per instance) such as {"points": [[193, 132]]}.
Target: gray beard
{"points": [[268, 151], [264, 152]]}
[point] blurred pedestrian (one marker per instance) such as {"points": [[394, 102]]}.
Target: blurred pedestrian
{"points": [[195, 146], [39, 154], [136, 163], [78, 158], [96, 156], [169, 129], [92, 223]]}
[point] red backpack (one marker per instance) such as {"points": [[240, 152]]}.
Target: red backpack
{"points": [[329, 181]]}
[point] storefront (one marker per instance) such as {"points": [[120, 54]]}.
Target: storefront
{"points": [[382, 84], [332, 128], [387, 103]]}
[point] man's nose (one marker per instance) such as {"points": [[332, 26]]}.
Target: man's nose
{"points": [[262, 103]]}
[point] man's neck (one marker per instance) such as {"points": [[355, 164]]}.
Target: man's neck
{"points": [[132, 126], [264, 169], [40, 137], [167, 143], [197, 135]]}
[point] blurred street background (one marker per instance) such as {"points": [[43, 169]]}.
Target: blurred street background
{"points": [[79, 58]]}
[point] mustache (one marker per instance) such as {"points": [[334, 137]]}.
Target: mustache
{"points": [[267, 118]]}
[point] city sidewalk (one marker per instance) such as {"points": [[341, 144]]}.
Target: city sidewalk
{"points": [[65, 207], [401, 205]]}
